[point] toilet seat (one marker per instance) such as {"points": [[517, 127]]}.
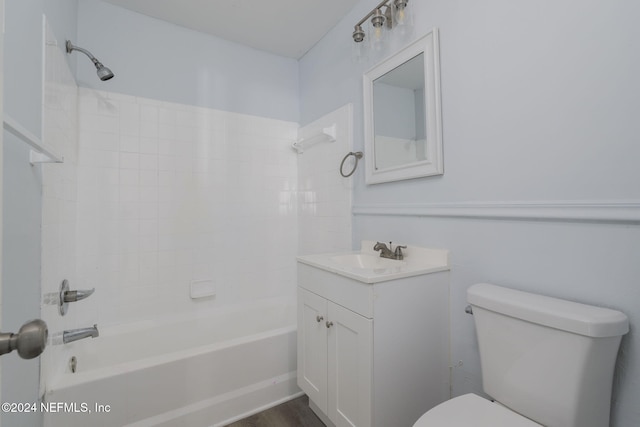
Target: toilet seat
{"points": [[471, 410]]}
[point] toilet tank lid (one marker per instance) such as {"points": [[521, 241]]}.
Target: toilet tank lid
{"points": [[556, 313]]}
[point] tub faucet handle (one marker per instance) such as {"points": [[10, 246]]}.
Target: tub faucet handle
{"points": [[67, 296], [73, 296]]}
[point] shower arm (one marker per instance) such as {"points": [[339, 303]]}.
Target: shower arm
{"points": [[70, 48]]}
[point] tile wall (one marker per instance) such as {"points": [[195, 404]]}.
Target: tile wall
{"points": [[324, 200], [169, 194]]}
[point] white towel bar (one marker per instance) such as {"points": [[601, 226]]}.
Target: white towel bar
{"points": [[39, 154]]}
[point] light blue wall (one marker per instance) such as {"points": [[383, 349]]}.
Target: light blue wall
{"points": [[23, 54], [540, 103], [23, 62], [22, 191], [518, 100], [154, 59], [21, 249]]}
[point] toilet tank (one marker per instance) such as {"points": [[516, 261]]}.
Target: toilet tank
{"points": [[548, 359]]}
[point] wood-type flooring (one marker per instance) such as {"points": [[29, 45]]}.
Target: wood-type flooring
{"points": [[295, 413]]}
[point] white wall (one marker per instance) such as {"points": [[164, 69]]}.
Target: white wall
{"points": [[59, 205], [539, 106], [324, 196], [169, 194], [154, 59]]}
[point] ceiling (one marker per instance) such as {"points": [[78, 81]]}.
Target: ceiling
{"points": [[283, 27]]}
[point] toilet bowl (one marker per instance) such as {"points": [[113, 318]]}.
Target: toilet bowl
{"points": [[472, 410], [544, 361]]}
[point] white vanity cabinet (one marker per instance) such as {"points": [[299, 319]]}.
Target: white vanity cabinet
{"points": [[335, 353], [372, 354]]}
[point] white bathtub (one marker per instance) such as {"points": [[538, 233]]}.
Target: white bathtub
{"points": [[202, 372]]}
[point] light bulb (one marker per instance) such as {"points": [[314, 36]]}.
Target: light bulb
{"points": [[377, 33], [400, 16], [404, 21], [378, 22]]}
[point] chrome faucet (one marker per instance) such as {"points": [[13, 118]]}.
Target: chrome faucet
{"points": [[78, 334], [386, 252]]}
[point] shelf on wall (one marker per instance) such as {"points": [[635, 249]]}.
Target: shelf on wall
{"points": [[327, 134]]}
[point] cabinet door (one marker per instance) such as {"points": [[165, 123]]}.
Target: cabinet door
{"points": [[312, 347], [350, 367]]}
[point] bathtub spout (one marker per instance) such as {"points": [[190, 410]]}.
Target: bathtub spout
{"points": [[78, 334]]}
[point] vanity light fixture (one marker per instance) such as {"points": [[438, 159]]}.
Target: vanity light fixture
{"points": [[401, 11], [384, 17]]}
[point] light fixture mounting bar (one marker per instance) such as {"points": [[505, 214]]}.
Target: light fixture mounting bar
{"points": [[370, 14]]}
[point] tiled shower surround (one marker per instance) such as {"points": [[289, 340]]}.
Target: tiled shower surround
{"points": [[169, 194], [153, 196]]}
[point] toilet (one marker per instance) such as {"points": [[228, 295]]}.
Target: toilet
{"points": [[545, 362]]}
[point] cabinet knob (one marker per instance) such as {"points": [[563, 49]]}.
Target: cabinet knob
{"points": [[319, 319], [329, 324]]}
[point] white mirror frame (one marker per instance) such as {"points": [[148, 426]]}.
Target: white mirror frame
{"points": [[434, 164]]}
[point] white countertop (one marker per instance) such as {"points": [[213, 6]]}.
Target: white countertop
{"points": [[367, 266]]}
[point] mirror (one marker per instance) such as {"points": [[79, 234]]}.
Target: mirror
{"points": [[403, 131]]}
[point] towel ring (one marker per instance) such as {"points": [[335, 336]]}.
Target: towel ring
{"points": [[358, 155]]}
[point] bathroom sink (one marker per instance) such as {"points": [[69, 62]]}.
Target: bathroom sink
{"points": [[367, 266], [366, 261]]}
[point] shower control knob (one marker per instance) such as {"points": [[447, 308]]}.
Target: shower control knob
{"points": [[67, 296], [319, 319], [329, 324]]}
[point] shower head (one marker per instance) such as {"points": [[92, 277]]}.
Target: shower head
{"points": [[103, 72]]}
